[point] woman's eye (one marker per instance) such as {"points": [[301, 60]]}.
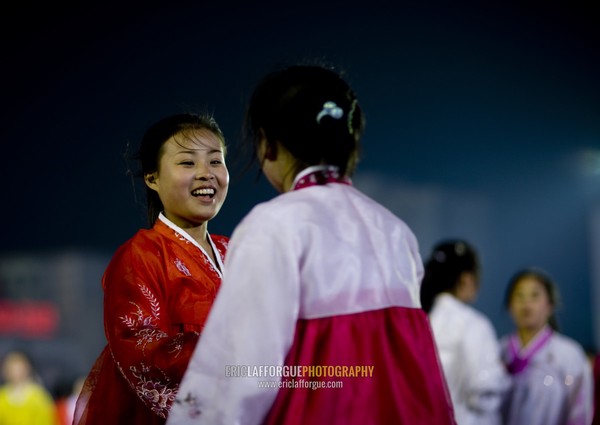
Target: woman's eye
{"points": [[216, 161], [186, 163]]}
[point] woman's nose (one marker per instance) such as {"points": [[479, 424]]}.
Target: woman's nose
{"points": [[204, 173]]}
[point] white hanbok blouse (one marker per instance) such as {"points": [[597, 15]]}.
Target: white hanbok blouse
{"points": [[555, 387], [470, 356], [319, 276]]}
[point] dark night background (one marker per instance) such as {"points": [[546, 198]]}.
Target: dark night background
{"points": [[483, 122]]}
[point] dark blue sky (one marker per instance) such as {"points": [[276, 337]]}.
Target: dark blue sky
{"points": [[498, 102]]}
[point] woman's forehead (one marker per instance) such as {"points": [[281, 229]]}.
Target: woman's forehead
{"points": [[197, 139], [529, 283]]}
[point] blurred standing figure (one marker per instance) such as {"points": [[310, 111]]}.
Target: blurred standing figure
{"points": [[466, 340], [65, 405], [595, 363], [596, 369], [23, 400], [161, 283], [551, 374]]}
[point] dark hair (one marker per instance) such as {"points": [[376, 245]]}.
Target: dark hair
{"points": [[542, 277], [286, 105], [448, 260], [151, 148]]}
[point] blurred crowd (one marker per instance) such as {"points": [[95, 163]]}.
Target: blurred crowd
{"points": [[26, 399]]}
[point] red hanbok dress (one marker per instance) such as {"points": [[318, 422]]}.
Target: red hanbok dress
{"points": [[158, 289]]}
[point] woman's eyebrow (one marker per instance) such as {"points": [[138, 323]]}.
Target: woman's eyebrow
{"points": [[192, 151]]}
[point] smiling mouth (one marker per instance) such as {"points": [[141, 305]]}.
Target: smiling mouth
{"points": [[208, 192]]}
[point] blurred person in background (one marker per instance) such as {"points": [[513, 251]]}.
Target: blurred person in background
{"points": [[596, 370], [160, 284], [552, 381], [466, 340], [65, 404], [594, 358], [24, 400]]}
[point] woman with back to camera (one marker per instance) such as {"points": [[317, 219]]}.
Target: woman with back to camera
{"points": [[320, 278], [465, 338], [160, 284], [551, 375]]}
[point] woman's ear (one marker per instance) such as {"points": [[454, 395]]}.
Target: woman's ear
{"points": [[266, 150], [151, 180], [271, 151], [467, 287]]}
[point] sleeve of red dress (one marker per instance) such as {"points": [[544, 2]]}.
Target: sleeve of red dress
{"points": [[148, 354]]}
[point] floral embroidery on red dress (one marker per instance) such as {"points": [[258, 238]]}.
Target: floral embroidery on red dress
{"points": [[158, 393], [177, 344], [159, 396], [182, 267], [143, 326], [205, 258]]}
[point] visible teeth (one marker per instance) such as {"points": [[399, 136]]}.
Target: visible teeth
{"points": [[199, 192]]}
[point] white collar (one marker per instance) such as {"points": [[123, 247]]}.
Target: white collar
{"points": [[187, 237], [312, 169]]}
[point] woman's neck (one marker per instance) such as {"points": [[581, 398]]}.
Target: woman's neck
{"points": [[526, 335], [199, 234]]}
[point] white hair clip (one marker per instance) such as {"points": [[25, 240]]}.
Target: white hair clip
{"points": [[331, 109]]}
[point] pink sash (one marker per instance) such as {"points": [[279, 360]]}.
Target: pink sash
{"points": [[520, 358]]}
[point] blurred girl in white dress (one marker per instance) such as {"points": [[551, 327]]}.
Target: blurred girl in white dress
{"points": [[466, 340], [552, 378]]}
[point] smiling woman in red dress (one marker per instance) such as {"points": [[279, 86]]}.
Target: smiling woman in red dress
{"points": [[160, 284]]}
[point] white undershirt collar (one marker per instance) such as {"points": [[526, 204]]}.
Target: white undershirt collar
{"points": [[187, 236]]}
